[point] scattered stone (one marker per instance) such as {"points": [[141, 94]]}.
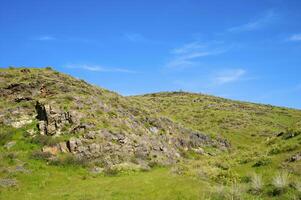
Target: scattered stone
{"points": [[53, 150], [10, 144], [43, 91], [199, 151], [5, 182], [63, 147], [19, 168], [19, 99], [154, 129], [96, 170], [31, 132], [295, 157], [22, 121], [25, 70]]}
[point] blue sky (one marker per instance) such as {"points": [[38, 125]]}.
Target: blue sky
{"points": [[245, 50]]}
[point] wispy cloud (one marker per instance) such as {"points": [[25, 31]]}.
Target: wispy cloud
{"points": [[295, 38], [98, 68], [214, 79], [136, 37], [44, 38], [227, 76], [256, 24], [68, 39], [188, 54]]}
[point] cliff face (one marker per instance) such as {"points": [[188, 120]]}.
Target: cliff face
{"points": [[94, 123]]}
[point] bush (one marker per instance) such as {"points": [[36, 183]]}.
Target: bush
{"points": [[49, 68], [45, 140], [263, 161], [70, 160], [39, 155], [227, 177], [280, 183], [256, 183], [235, 192], [5, 137], [298, 186], [276, 149], [111, 171]]}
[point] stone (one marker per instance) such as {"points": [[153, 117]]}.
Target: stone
{"points": [[71, 144], [154, 129], [94, 148], [51, 120], [199, 150], [295, 157], [53, 150], [90, 135], [6, 182], [25, 70], [22, 169], [10, 144], [22, 121], [96, 170], [31, 132], [19, 99], [63, 147]]}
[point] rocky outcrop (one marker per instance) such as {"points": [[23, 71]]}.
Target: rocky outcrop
{"points": [[50, 120], [101, 125]]}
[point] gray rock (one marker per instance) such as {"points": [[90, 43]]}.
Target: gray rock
{"points": [[295, 157], [96, 170], [5, 182], [52, 120], [154, 129], [10, 144], [22, 169], [63, 147]]}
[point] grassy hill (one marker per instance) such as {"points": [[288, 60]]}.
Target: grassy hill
{"points": [[61, 137]]}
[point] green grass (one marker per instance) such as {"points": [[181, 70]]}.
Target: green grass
{"points": [[50, 182]]}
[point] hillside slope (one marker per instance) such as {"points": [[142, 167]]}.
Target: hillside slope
{"points": [[265, 139], [57, 126], [92, 123]]}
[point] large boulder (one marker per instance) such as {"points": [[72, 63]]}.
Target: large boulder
{"points": [[51, 121]]}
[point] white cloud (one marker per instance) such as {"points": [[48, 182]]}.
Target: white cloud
{"points": [[187, 55], [45, 38], [295, 37], [98, 68], [135, 37], [256, 24], [229, 76], [187, 48]]}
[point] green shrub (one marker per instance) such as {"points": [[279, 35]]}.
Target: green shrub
{"points": [[256, 183], [39, 155], [276, 149], [227, 177], [5, 137], [111, 171], [280, 183], [233, 192], [45, 140], [263, 161], [48, 68], [69, 160]]}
